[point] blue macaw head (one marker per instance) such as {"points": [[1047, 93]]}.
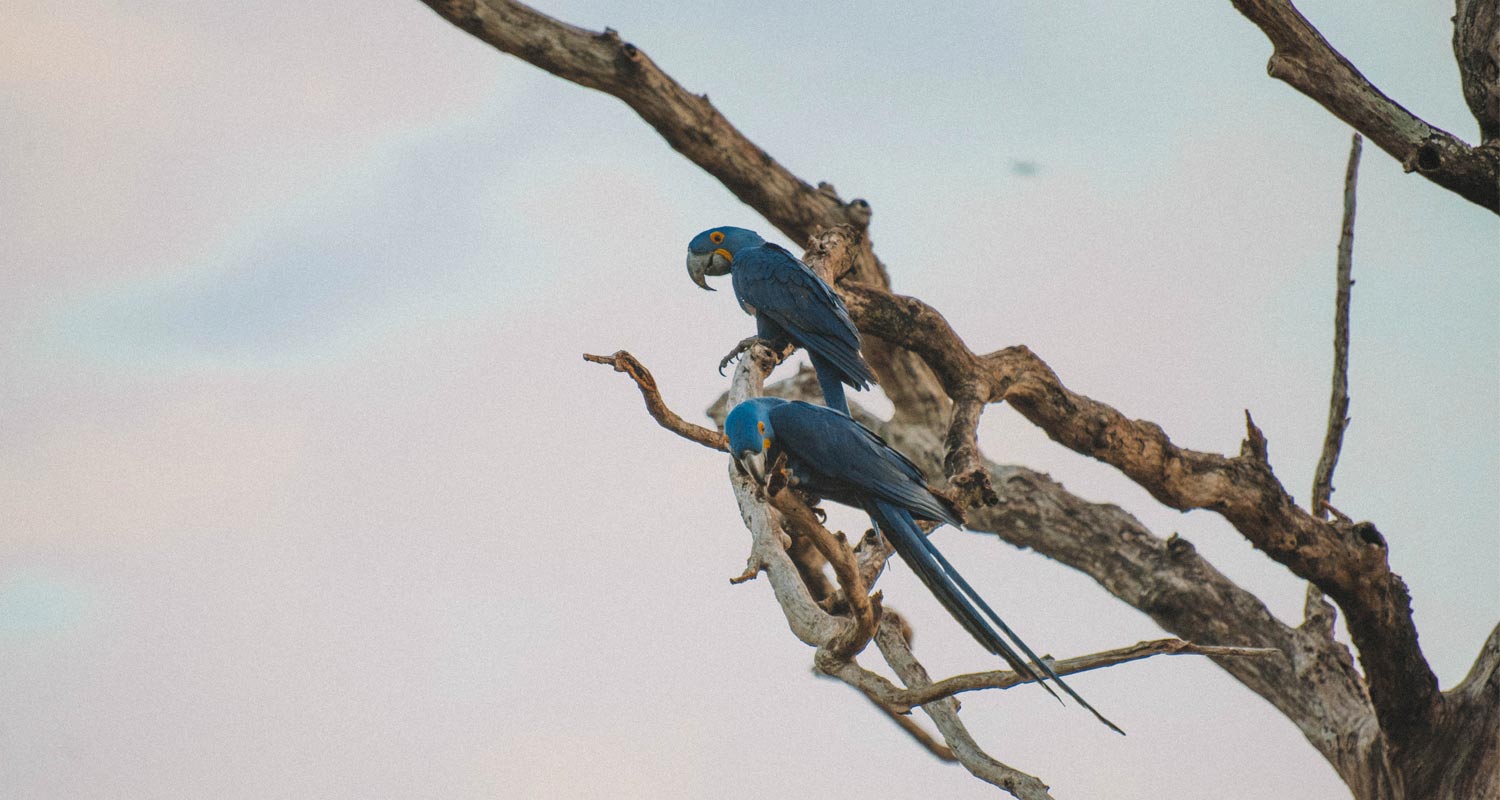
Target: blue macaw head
{"points": [[751, 435], [712, 251]]}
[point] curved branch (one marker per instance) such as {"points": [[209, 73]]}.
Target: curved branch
{"points": [[689, 122], [1346, 561], [1308, 63], [624, 362], [835, 548]]}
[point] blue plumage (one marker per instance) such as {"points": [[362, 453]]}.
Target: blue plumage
{"points": [[790, 303], [831, 456]]}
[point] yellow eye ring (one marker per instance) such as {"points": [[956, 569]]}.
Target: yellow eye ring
{"points": [[761, 426], [716, 237]]}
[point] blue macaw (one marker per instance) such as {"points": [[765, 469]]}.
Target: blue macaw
{"points": [[833, 457], [789, 302]]}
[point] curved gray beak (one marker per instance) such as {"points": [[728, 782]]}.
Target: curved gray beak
{"points": [[754, 465], [700, 265]]}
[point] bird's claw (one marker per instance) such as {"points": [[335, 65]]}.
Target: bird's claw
{"points": [[739, 349]]}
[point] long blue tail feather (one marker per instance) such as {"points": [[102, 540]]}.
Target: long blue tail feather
{"points": [[999, 623], [959, 599], [832, 383]]}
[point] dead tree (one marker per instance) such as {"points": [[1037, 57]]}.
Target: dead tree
{"points": [[1389, 733]]}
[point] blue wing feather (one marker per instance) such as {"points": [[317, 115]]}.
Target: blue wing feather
{"points": [[773, 283], [847, 457], [837, 458]]}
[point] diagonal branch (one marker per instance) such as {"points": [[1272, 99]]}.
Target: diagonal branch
{"points": [[904, 721], [1338, 404], [1346, 561], [885, 692], [1308, 63], [944, 714], [689, 122], [655, 406], [1316, 685], [694, 128]]}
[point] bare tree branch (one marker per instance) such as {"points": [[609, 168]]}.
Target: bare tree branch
{"points": [[1338, 404], [694, 128], [1347, 562], [944, 714], [655, 406], [1465, 749], [1316, 685], [1309, 64], [906, 723], [963, 463], [902, 700], [689, 122], [1476, 45]]}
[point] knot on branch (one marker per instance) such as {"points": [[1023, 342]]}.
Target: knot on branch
{"points": [[831, 251], [1367, 532], [1425, 157], [971, 488], [1179, 548], [859, 212], [626, 49]]}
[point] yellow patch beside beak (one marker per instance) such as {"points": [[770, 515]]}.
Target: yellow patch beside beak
{"points": [[725, 253]]}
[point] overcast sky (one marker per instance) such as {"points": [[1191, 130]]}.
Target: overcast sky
{"points": [[306, 493]]}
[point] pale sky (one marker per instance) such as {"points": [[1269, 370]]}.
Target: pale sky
{"points": [[306, 493]]}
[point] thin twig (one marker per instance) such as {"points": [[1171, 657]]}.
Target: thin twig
{"points": [[915, 730], [624, 362], [1338, 404], [905, 699], [896, 649]]}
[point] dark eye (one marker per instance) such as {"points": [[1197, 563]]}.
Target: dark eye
{"points": [[716, 237]]}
